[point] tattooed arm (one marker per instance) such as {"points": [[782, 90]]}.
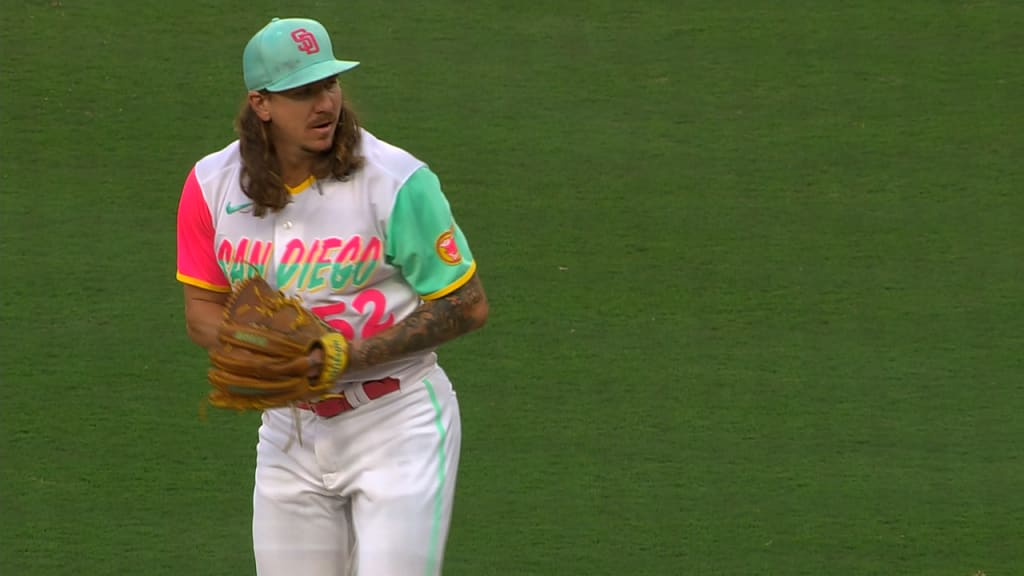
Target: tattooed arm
{"points": [[431, 324]]}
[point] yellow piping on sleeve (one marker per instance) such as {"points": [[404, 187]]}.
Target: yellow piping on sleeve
{"points": [[453, 286], [200, 284]]}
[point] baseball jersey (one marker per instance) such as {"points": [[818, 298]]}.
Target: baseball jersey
{"points": [[361, 254]]}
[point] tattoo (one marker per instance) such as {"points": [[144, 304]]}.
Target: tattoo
{"points": [[433, 323]]}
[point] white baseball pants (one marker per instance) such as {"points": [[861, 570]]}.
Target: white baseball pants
{"points": [[368, 492]]}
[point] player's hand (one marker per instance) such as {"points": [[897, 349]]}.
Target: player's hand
{"points": [[316, 362]]}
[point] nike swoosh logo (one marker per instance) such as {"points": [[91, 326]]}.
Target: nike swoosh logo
{"points": [[232, 209]]}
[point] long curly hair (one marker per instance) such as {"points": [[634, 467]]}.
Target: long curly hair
{"points": [[261, 173]]}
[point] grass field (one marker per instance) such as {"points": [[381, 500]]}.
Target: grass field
{"points": [[755, 271]]}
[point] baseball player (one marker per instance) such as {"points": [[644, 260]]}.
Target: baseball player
{"points": [[359, 231]]}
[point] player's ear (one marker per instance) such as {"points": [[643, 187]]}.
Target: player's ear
{"points": [[260, 104]]}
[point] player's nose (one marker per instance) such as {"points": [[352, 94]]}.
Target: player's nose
{"points": [[324, 101]]}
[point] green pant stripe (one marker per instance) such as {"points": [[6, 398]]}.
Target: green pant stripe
{"points": [[435, 527]]}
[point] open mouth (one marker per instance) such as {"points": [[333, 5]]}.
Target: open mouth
{"points": [[326, 124]]}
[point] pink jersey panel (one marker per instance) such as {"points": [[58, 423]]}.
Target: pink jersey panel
{"points": [[197, 262]]}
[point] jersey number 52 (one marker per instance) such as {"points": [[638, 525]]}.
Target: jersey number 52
{"points": [[371, 303]]}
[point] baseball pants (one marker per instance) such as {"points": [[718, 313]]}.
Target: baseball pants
{"points": [[368, 492]]}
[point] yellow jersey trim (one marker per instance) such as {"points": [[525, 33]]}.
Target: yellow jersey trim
{"points": [[454, 285], [302, 186], [200, 284]]}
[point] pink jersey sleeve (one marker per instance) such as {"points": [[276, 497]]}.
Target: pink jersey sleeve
{"points": [[197, 262]]}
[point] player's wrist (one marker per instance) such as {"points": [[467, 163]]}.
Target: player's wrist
{"points": [[357, 355]]}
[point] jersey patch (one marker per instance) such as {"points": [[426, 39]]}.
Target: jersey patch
{"points": [[446, 247]]}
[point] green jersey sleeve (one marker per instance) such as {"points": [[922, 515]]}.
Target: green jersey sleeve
{"points": [[423, 240]]}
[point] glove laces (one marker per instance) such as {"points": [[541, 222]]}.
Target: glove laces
{"points": [[296, 432]]}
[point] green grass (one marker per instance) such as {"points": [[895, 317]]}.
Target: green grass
{"points": [[755, 271]]}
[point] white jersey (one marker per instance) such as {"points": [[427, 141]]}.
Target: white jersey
{"points": [[361, 254]]}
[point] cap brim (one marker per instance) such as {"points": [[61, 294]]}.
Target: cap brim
{"points": [[311, 74]]}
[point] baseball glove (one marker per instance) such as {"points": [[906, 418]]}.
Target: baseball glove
{"points": [[265, 342]]}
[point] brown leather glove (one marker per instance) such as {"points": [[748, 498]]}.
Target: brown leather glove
{"points": [[266, 339]]}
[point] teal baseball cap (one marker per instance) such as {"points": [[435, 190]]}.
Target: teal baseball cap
{"points": [[290, 52]]}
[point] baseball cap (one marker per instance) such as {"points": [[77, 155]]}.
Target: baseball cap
{"points": [[290, 52]]}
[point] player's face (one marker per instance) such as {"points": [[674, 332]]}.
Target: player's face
{"points": [[305, 117]]}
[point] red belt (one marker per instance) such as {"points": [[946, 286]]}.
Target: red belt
{"points": [[334, 404]]}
